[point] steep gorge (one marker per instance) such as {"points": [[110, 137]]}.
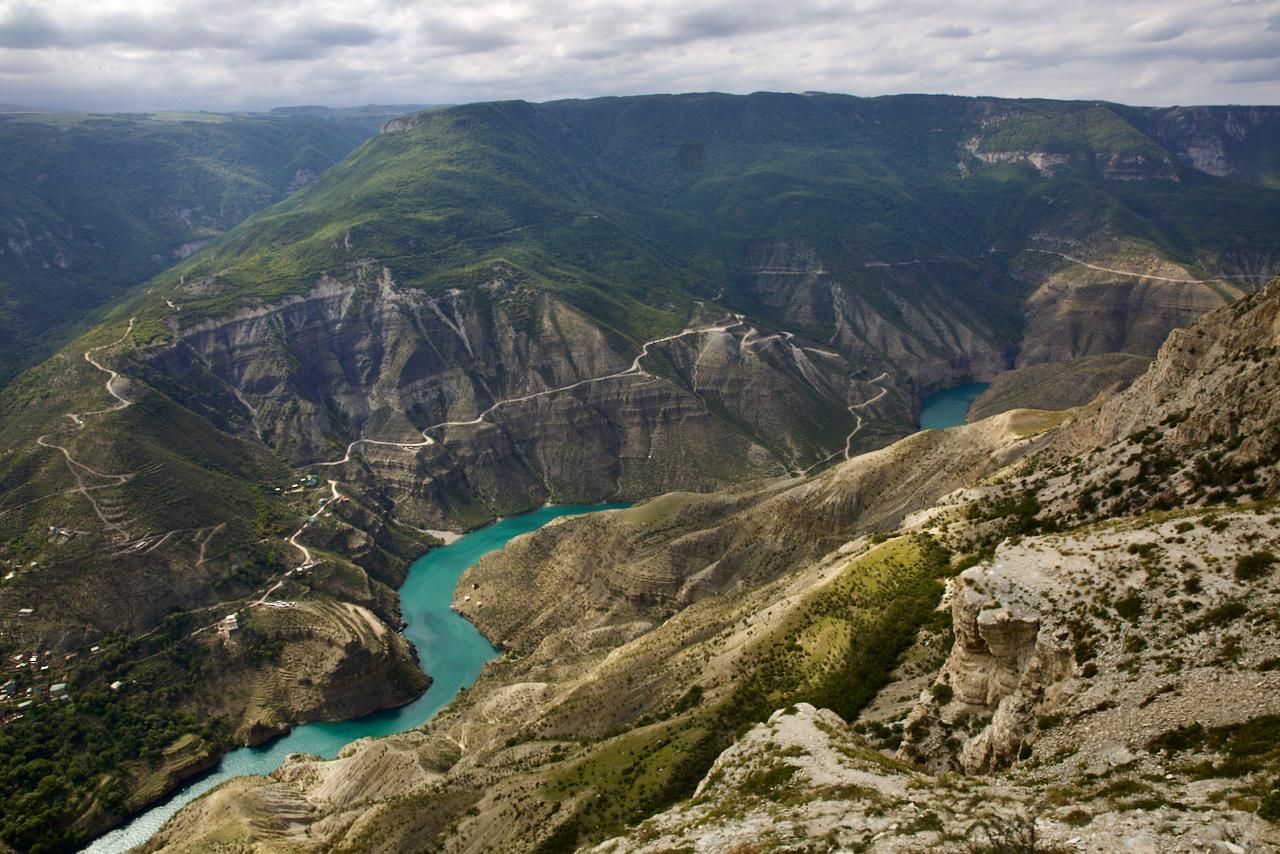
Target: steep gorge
{"points": [[1094, 652]]}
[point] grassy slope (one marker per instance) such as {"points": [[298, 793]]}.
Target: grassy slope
{"points": [[90, 205], [632, 206], [835, 650]]}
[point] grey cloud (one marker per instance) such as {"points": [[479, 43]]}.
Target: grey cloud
{"points": [[458, 39], [1268, 72], [951, 31], [30, 29], [1157, 30], [26, 27], [315, 40], [220, 54]]}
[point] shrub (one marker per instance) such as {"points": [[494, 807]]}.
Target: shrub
{"points": [[1130, 607], [1077, 818], [1255, 565], [1225, 613], [1269, 807], [1183, 738]]}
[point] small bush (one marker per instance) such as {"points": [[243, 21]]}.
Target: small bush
{"points": [[942, 692], [1048, 721], [1077, 818], [1183, 738], [1269, 807], [1221, 615], [1130, 607], [1253, 566]]}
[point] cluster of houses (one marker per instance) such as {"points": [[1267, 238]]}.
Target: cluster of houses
{"points": [[28, 685], [311, 481], [16, 701]]}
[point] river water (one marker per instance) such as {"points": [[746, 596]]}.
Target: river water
{"points": [[949, 407], [449, 648]]}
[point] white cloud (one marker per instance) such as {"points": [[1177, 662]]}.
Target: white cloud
{"points": [[219, 54]]}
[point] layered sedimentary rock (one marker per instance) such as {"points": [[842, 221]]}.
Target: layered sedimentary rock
{"points": [[1007, 656]]}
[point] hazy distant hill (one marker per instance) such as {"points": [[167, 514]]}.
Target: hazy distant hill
{"points": [[93, 204], [369, 110]]}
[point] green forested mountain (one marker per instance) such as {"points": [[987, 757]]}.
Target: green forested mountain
{"points": [[659, 198], [93, 204], [489, 307]]}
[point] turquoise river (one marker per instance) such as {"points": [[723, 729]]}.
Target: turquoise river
{"points": [[949, 407], [449, 649]]}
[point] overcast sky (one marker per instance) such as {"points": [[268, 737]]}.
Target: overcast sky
{"points": [[232, 54]]}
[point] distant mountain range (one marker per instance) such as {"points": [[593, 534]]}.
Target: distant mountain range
{"points": [[91, 204]]}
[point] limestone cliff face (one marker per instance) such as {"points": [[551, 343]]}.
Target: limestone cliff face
{"points": [[939, 340], [1221, 141], [1071, 316], [450, 408], [1212, 382], [1006, 659], [465, 405]]}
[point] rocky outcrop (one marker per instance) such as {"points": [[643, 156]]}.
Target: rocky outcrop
{"points": [[332, 661], [1209, 376], [1046, 163], [1007, 659], [1136, 167]]}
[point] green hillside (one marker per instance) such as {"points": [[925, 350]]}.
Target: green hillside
{"points": [[93, 204], [654, 200]]}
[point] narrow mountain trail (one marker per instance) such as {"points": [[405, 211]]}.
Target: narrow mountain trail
{"points": [[78, 469], [204, 544], [1136, 275], [857, 427], [636, 369], [848, 442], [308, 560], [272, 584]]}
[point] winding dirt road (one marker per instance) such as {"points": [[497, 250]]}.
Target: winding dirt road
{"points": [[857, 427], [1084, 263], [635, 370], [78, 469]]}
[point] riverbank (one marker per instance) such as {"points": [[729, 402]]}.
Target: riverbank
{"points": [[449, 649]]}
